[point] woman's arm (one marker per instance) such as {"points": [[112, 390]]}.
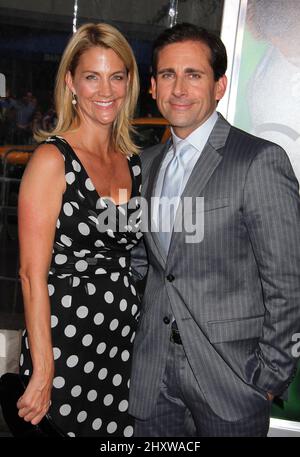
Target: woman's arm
{"points": [[40, 200]]}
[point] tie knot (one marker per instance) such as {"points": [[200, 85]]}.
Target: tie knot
{"points": [[181, 147]]}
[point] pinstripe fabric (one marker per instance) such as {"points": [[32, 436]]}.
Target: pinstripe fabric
{"points": [[236, 295]]}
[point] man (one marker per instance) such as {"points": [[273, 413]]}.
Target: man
{"points": [[220, 311]]}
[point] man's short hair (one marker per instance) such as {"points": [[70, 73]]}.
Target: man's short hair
{"points": [[186, 32]]}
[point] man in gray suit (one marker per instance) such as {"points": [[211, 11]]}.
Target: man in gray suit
{"points": [[220, 309]]}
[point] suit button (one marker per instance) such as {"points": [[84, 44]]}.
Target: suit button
{"points": [[170, 278], [166, 320]]}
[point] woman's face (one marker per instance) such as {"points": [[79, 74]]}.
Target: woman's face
{"points": [[100, 83]]}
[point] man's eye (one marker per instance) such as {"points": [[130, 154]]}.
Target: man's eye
{"points": [[195, 76], [167, 75], [89, 77]]}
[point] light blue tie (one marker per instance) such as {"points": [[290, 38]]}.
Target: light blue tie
{"points": [[171, 190]]}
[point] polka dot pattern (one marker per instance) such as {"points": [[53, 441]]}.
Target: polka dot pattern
{"points": [[94, 306]]}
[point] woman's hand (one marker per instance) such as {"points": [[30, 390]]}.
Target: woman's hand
{"points": [[35, 402]]}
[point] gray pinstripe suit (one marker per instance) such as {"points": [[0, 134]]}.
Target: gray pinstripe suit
{"points": [[236, 294]]}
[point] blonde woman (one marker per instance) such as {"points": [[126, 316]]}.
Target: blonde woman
{"points": [[79, 217]]}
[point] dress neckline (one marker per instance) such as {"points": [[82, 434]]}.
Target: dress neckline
{"points": [[88, 176]]}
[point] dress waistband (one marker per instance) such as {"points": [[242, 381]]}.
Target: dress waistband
{"points": [[89, 265]]}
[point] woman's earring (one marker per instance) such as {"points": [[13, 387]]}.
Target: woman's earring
{"points": [[74, 101]]}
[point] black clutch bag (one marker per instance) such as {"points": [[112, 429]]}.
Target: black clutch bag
{"points": [[12, 386]]}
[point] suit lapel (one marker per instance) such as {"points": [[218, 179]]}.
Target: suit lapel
{"points": [[152, 180]]}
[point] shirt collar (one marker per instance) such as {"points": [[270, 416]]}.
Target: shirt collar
{"points": [[198, 138]]}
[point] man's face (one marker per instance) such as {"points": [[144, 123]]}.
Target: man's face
{"points": [[184, 88]]}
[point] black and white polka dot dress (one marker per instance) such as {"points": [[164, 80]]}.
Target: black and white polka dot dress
{"points": [[94, 305]]}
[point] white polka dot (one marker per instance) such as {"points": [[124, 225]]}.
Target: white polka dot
{"points": [[88, 367], [122, 262], [89, 185], [83, 229], [133, 289], [66, 301], [87, 340], [26, 372], [102, 373], [56, 353], [132, 337], [76, 281], [108, 297], [101, 348], [108, 399], [94, 219], [113, 352], [70, 331], [126, 282], [123, 304], [26, 343], [72, 361], [114, 324], [114, 276], [81, 265], [21, 359], [80, 194], [65, 410], [100, 203], [70, 177], [122, 241], [76, 391], [71, 434], [60, 259], [81, 417], [58, 223], [54, 321], [99, 244], [125, 356], [92, 395], [125, 330], [81, 253], [123, 406], [66, 240], [110, 233], [76, 165], [82, 312], [136, 170], [58, 382], [112, 427], [91, 289], [100, 271], [117, 379], [68, 209], [96, 425], [75, 204], [51, 289], [128, 431], [134, 309], [99, 318]]}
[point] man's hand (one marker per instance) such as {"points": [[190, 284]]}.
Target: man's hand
{"points": [[270, 396]]}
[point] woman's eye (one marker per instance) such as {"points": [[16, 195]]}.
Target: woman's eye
{"points": [[91, 77], [118, 77]]}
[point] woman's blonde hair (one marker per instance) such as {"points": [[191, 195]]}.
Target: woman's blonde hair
{"points": [[86, 37]]}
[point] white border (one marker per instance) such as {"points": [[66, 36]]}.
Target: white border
{"points": [[232, 34]]}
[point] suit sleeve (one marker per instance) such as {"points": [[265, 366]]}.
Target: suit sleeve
{"points": [[272, 216]]}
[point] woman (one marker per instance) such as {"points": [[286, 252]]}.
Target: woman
{"points": [[75, 221]]}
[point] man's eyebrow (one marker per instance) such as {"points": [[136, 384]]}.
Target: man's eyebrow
{"points": [[166, 70]]}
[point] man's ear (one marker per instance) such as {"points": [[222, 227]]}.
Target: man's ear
{"points": [[69, 82], [221, 85], [153, 87]]}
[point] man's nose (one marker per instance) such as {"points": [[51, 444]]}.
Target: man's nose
{"points": [[179, 87]]}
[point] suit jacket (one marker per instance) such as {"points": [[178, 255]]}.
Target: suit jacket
{"points": [[236, 294]]}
